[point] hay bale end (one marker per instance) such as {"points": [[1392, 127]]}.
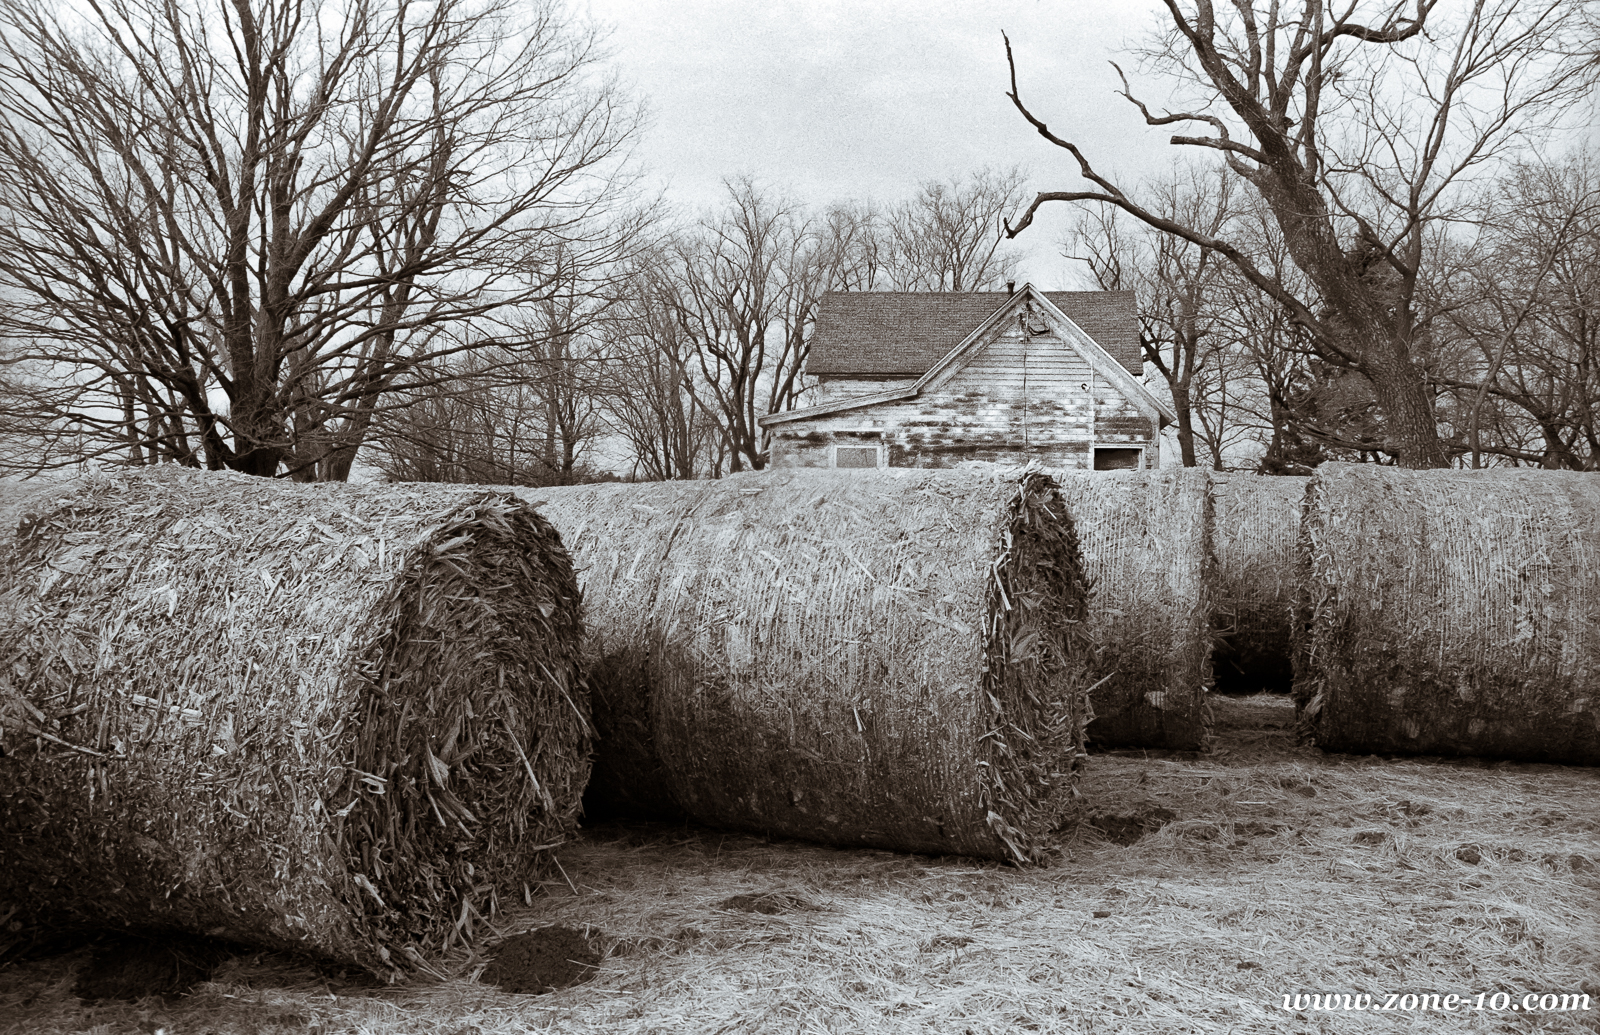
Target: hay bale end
{"points": [[339, 720]]}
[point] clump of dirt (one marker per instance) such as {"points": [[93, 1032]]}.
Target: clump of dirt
{"points": [[1127, 828], [132, 967], [542, 960], [770, 903]]}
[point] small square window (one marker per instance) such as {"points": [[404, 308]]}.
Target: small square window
{"points": [[1118, 459], [855, 456]]}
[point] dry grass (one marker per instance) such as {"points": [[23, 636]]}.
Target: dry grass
{"points": [[1281, 870]]}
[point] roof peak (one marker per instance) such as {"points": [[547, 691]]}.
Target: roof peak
{"points": [[1001, 292], [903, 333]]}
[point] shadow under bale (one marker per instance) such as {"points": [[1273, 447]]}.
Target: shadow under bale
{"points": [[336, 720], [887, 659], [164, 963]]}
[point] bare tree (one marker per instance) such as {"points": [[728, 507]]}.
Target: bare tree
{"points": [[527, 401], [1525, 321], [495, 415], [233, 228], [745, 286], [1177, 283], [650, 397], [949, 237], [1357, 126]]}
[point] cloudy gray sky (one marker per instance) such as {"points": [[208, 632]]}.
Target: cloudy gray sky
{"points": [[861, 100]]}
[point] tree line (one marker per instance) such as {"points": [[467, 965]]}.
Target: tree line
{"points": [[705, 333], [299, 239]]}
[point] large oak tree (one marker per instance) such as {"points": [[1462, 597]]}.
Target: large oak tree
{"points": [[1358, 124]]}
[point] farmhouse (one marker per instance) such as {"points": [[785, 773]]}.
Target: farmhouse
{"points": [[929, 379]]}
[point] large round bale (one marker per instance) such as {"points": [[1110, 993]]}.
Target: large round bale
{"points": [[1257, 524], [20, 497], [1450, 612], [1148, 549], [887, 659], [341, 720]]}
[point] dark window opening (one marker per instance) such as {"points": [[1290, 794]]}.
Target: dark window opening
{"points": [[855, 456], [1117, 459]]}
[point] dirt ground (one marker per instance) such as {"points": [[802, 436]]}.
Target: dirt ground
{"points": [[1205, 890]]}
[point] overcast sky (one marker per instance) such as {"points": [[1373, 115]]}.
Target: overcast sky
{"points": [[865, 100]]}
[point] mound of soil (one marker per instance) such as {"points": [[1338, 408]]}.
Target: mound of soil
{"points": [[769, 904], [542, 961], [1128, 828], [133, 967]]}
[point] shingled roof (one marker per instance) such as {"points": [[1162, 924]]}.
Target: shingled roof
{"points": [[904, 333]]}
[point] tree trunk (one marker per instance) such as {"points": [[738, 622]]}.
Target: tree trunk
{"points": [[1411, 432], [1365, 311], [1180, 404]]}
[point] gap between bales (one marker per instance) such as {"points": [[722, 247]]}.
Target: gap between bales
{"points": [[1257, 525]]}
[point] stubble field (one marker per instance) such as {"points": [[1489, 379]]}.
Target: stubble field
{"points": [[1204, 890]]}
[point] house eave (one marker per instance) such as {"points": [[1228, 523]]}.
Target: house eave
{"points": [[855, 402]]}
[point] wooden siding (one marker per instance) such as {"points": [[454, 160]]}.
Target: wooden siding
{"points": [[1016, 400]]}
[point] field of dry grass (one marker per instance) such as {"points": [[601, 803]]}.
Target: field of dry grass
{"points": [[1209, 888]]}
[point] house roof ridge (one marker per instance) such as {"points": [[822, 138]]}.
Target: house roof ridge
{"points": [[899, 334]]}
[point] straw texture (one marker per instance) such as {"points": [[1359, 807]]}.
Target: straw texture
{"points": [[1451, 612], [1147, 540], [887, 659], [335, 719], [19, 498], [1257, 524]]}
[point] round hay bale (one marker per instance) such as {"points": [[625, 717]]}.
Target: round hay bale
{"points": [[610, 525], [1450, 613], [1257, 524], [1147, 547], [19, 498], [340, 720], [886, 659]]}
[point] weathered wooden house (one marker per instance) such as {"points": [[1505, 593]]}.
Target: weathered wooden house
{"points": [[927, 379]]}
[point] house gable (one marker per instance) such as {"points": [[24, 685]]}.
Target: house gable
{"points": [[1024, 383], [1030, 303], [982, 339]]}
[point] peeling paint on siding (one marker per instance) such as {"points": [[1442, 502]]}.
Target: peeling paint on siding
{"points": [[1019, 399]]}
